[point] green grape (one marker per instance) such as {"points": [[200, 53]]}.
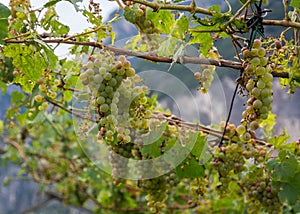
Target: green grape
{"points": [[38, 98], [104, 107], [254, 52], [263, 61], [107, 76], [261, 84], [100, 100], [98, 78], [241, 129], [267, 77], [102, 71], [257, 104], [260, 71], [249, 69], [256, 43], [130, 72], [261, 52], [255, 92]]}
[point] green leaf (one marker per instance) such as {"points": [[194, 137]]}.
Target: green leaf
{"points": [[190, 169], [48, 53], [152, 149], [29, 61], [279, 141], [199, 145], [268, 124], [205, 41], [289, 191], [285, 168], [215, 8], [16, 97], [4, 14], [180, 27], [295, 3], [51, 3], [162, 19]]}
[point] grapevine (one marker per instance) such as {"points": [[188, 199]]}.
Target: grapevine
{"points": [[128, 154]]}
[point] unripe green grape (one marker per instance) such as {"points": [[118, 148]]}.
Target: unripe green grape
{"points": [[98, 78], [254, 52], [127, 64], [89, 72], [102, 71], [100, 100], [263, 61], [256, 43], [261, 84], [267, 100], [109, 89], [255, 92], [121, 72], [264, 110], [257, 104], [261, 52], [89, 65], [136, 78], [260, 71], [241, 129], [104, 108], [83, 76], [127, 138], [245, 137], [44, 105], [107, 76], [265, 92], [249, 69], [267, 77], [207, 72], [38, 98], [97, 63], [130, 72], [56, 82], [113, 82], [255, 61]]}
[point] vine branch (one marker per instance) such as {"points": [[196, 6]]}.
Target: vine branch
{"points": [[151, 57]]}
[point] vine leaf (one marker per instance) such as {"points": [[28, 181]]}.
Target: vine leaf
{"points": [[163, 19], [285, 176], [31, 60], [205, 41], [190, 169], [295, 3], [4, 14]]}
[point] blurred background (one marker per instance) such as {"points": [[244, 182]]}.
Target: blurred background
{"points": [[22, 194]]}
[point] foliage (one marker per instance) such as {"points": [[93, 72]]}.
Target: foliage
{"points": [[88, 129]]}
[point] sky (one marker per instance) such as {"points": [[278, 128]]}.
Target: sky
{"points": [[68, 16]]}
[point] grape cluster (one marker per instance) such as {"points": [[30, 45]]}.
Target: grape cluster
{"points": [[48, 87], [157, 190], [259, 87], [228, 159], [206, 74], [136, 14], [119, 155], [261, 196], [103, 75]]}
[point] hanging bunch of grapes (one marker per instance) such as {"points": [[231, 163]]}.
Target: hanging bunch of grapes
{"points": [[259, 87]]}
